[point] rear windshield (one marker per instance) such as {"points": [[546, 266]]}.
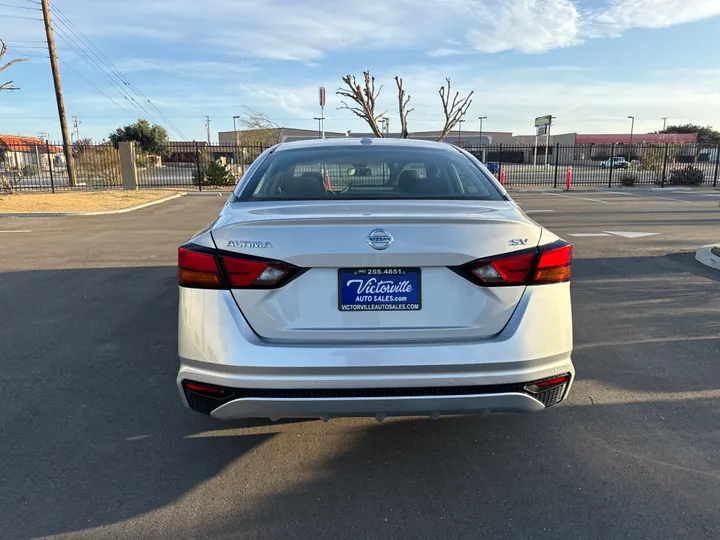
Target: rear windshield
{"points": [[370, 173]]}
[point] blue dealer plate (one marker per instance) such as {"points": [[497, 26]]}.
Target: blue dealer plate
{"points": [[379, 289]]}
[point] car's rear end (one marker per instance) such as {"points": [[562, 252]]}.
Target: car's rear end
{"points": [[335, 283]]}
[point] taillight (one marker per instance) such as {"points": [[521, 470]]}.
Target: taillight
{"points": [[510, 271], [554, 265], [547, 264], [252, 273], [199, 269], [204, 268]]}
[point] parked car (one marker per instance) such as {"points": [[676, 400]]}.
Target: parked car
{"points": [[616, 162], [493, 167], [419, 289]]}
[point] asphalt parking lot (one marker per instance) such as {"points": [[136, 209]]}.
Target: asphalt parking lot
{"points": [[95, 443]]}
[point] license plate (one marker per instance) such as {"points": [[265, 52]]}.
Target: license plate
{"points": [[379, 289]]}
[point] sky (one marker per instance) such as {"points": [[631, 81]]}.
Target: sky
{"points": [[590, 63]]}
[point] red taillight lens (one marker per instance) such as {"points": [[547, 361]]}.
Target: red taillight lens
{"points": [[510, 271], [251, 273], [554, 265], [547, 264], [201, 267], [198, 269]]}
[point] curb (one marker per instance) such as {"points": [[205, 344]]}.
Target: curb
{"points": [[709, 256], [104, 213]]}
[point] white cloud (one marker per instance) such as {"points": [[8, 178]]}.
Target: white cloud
{"points": [[621, 15], [308, 30], [443, 52], [185, 68], [529, 26]]}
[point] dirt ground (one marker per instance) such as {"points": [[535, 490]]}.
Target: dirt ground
{"points": [[85, 201]]}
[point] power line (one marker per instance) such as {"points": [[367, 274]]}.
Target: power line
{"points": [[97, 88], [25, 18], [19, 7], [88, 59], [114, 69]]}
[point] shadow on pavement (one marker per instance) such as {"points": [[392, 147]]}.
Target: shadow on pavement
{"points": [[92, 431]]}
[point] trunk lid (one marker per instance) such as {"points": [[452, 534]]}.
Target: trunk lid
{"points": [[324, 237]]}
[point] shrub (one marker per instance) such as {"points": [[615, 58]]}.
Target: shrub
{"points": [[628, 180], [687, 176], [214, 174], [99, 166], [30, 170]]}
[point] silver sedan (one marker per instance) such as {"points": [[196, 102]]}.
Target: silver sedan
{"points": [[372, 277]]}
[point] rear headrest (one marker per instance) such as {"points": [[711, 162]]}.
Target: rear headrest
{"points": [[309, 184], [407, 179]]}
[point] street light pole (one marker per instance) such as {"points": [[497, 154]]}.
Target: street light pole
{"points": [[481, 118], [664, 122], [319, 119], [236, 140], [460, 123], [632, 129]]}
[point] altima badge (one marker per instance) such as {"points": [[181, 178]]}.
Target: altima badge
{"points": [[248, 244]]}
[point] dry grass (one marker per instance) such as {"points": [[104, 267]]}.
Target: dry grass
{"points": [[79, 201]]}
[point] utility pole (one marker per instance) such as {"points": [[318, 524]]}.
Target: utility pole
{"points": [[207, 127], [67, 149], [76, 123]]}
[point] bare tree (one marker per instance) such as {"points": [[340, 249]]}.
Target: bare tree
{"points": [[260, 130], [3, 49], [403, 100], [365, 98], [453, 112]]}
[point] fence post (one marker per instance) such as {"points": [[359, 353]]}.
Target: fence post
{"points": [[612, 163], [128, 171], [664, 171], [557, 163], [52, 179], [717, 165], [501, 156], [197, 166]]}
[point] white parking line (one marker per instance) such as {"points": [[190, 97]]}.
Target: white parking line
{"points": [[590, 234], [17, 231], [539, 211], [574, 197]]}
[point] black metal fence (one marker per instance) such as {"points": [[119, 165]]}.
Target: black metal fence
{"points": [[195, 165], [608, 165]]}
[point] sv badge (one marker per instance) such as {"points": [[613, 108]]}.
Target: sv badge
{"points": [[518, 242]]}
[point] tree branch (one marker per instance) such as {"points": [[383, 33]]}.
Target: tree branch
{"points": [[403, 100], [3, 49], [365, 97], [453, 112]]}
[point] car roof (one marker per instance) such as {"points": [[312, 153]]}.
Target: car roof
{"points": [[355, 141]]}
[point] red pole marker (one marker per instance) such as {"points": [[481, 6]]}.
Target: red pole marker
{"points": [[569, 178], [502, 176]]}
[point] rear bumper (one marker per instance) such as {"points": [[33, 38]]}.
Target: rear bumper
{"points": [[377, 407], [217, 347]]}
